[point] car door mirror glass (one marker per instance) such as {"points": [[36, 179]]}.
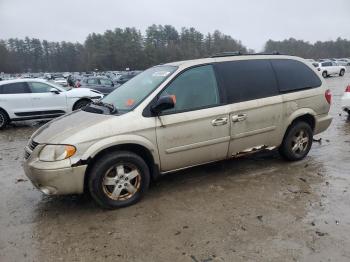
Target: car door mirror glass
{"points": [[163, 103]]}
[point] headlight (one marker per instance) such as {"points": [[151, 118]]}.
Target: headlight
{"points": [[52, 153]]}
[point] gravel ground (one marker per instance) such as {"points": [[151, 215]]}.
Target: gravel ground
{"points": [[257, 208]]}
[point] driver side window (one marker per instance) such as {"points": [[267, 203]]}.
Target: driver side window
{"points": [[37, 87], [194, 89]]}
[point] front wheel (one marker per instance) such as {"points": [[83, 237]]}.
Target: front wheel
{"points": [[342, 72], [324, 74], [297, 141], [118, 180]]}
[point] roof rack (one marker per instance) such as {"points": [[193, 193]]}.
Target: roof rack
{"points": [[238, 53]]}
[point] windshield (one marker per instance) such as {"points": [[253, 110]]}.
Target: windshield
{"points": [[59, 87], [129, 95]]}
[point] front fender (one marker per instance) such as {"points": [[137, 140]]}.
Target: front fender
{"points": [[100, 145]]}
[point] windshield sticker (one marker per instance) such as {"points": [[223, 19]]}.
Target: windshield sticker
{"points": [[173, 97], [161, 73], [130, 102]]}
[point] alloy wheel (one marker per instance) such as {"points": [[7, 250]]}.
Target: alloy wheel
{"points": [[300, 142], [121, 182]]}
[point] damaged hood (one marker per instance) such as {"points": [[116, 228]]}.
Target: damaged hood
{"points": [[79, 124]]}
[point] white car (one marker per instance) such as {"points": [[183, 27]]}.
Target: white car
{"points": [[61, 81], [331, 68], [343, 62], [345, 100], [31, 99]]}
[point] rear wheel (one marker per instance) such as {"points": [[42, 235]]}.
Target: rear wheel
{"points": [[119, 180], [81, 104], [297, 141], [324, 74], [4, 119], [342, 72]]}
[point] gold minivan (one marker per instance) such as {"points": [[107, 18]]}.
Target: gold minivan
{"points": [[179, 115]]}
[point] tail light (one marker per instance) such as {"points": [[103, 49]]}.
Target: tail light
{"points": [[347, 89], [328, 96], [78, 84]]}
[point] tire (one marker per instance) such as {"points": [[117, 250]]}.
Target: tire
{"points": [[342, 72], [119, 179], [4, 119], [289, 148], [324, 74], [81, 103]]}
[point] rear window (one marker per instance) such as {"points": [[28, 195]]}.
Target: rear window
{"points": [[14, 88], [293, 75], [247, 79]]}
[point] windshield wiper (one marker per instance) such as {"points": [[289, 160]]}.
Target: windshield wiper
{"points": [[111, 107]]}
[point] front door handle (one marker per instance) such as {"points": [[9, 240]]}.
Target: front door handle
{"points": [[219, 121], [239, 118]]}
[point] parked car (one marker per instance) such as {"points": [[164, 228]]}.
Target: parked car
{"points": [[345, 100], [126, 77], [331, 68], [343, 62], [61, 81], [32, 99], [176, 116], [101, 84]]}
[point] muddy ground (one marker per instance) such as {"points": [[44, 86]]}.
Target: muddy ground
{"points": [[258, 208]]}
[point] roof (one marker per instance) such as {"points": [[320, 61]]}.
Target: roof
{"points": [[20, 80], [234, 57]]}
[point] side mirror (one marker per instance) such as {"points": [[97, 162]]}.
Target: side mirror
{"points": [[112, 84], [163, 103], [55, 91]]}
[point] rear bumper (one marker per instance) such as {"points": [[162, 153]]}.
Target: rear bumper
{"points": [[345, 102], [322, 123]]}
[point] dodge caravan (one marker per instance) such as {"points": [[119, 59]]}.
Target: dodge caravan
{"points": [[179, 115]]}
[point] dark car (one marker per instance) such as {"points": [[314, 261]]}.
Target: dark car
{"points": [[126, 77], [102, 84]]}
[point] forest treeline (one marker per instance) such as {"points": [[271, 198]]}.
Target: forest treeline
{"points": [[129, 48]]}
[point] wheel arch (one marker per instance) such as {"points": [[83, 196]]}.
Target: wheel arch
{"points": [[80, 99], [144, 151], [306, 115], [8, 116]]}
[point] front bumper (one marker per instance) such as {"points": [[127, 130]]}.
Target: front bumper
{"points": [[54, 178]]}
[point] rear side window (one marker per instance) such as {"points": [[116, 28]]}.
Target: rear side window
{"points": [[247, 80], [293, 75], [92, 81], [14, 88], [105, 81]]}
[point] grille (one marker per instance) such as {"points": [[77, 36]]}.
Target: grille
{"points": [[32, 145], [26, 155], [29, 149]]}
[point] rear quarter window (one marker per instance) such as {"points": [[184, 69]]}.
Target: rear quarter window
{"points": [[14, 88], [247, 79], [293, 75]]}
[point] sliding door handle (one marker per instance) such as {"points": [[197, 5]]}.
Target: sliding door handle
{"points": [[239, 118], [219, 121]]}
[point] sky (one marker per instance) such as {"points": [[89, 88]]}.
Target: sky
{"points": [[253, 22]]}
